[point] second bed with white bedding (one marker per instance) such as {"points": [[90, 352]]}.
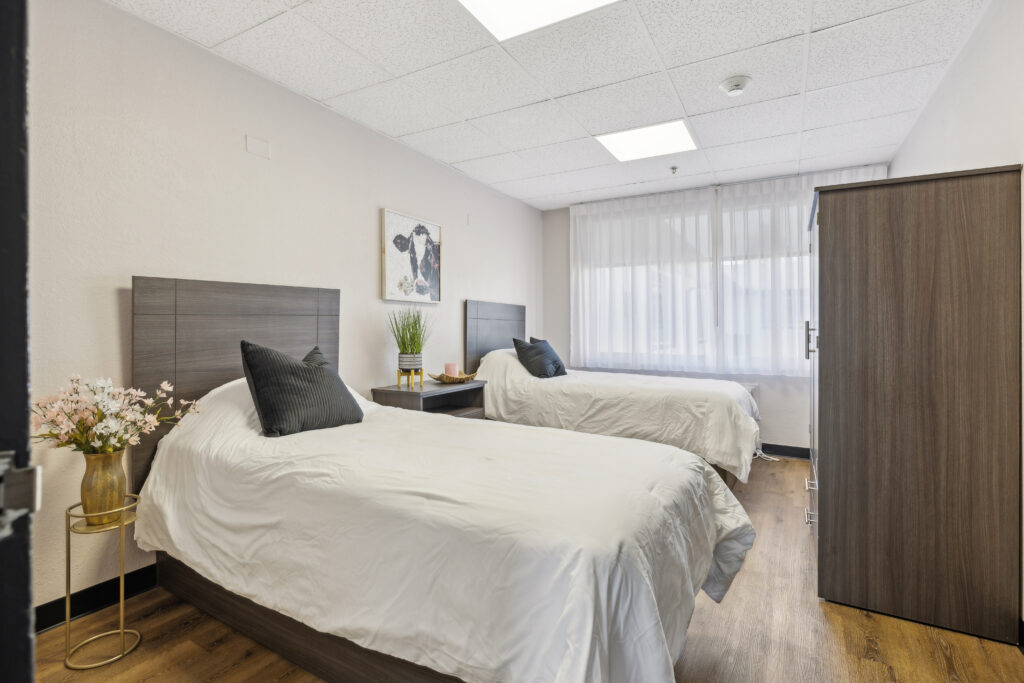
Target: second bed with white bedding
{"points": [[716, 419], [490, 551]]}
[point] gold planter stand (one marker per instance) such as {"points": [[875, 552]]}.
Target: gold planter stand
{"points": [[410, 375], [125, 516]]}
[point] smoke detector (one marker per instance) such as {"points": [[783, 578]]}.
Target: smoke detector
{"points": [[735, 85]]}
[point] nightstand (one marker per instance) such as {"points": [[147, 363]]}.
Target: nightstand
{"points": [[460, 400]]}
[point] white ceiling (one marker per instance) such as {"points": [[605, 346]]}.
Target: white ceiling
{"points": [[835, 82]]}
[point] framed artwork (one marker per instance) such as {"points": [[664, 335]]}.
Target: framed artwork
{"points": [[410, 259]]}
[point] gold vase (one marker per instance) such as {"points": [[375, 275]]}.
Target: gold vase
{"points": [[103, 486]]}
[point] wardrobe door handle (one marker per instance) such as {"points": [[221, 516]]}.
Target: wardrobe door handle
{"points": [[807, 339], [810, 517], [810, 485]]}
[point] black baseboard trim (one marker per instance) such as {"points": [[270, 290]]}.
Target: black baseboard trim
{"points": [[786, 451], [95, 598]]}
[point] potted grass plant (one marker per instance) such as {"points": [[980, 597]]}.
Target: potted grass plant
{"points": [[410, 328]]}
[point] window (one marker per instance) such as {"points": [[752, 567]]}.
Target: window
{"points": [[714, 280]]}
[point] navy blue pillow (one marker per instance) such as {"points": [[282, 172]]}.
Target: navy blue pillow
{"points": [[292, 395], [539, 358]]}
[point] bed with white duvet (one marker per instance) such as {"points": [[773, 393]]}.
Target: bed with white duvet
{"points": [[490, 551], [716, 419]]}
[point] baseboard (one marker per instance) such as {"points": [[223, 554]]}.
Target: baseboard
{"points": [[94, 598], [786, 451]]}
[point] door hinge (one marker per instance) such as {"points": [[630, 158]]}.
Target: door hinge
{"points": [[20, 491]]}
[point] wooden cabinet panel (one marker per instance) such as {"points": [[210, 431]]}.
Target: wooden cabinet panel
{"points": [[920, 410]]}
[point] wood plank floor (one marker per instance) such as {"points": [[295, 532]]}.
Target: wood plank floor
{"points": [[770, 627]]}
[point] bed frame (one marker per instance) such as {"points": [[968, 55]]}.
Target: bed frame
{"points": [[188, 332], [491, 326]]}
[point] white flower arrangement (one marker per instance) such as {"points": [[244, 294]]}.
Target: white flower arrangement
{"points": [[97, 417]]}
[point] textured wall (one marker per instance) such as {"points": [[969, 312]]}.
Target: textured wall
{"points": [[138, 168]]}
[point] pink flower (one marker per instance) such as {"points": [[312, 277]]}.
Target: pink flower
{"points": [[166, 386]]}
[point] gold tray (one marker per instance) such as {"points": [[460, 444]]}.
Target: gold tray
{"points": [[448, 379]]}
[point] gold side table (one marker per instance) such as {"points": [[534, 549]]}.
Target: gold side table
{"points": [[82, 526]]}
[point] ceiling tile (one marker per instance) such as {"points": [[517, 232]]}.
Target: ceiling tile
{"points": [[660, 168], [534, 125], [536, 187], [292, 51], [880, 132], [740, 175], [597, 195], [570, 181], [496, 169], [755, 153], [477, 84], [776, 70], [401, 35], [558, 201], [749, 122], [686, 32], [859, 157], [630, 104], [672, 184], [596, 177], [600, 47], [567, 156], [924, 33], [205, 21], [393, 108], [457, 142], [825, 13], [872, 97]]}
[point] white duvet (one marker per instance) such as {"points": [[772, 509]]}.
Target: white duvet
{"points": [[716, 419], [490, 551]]}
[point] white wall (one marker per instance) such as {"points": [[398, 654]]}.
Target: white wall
{"points": [[137, 168], [785, 402], [556, 279], [976, 116]]}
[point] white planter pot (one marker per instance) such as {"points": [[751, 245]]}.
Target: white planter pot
{"points": [[410, 361]]}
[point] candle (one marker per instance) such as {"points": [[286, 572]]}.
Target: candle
{"points": [[451, 369]]}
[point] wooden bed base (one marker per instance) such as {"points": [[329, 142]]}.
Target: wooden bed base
{"points": [[331, 657]]}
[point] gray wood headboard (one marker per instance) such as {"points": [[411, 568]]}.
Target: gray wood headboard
{"points": [[188, 332], [491, 326]]}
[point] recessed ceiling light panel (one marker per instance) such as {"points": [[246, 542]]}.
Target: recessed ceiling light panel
{"points": [[649, 141], [507, 19]]}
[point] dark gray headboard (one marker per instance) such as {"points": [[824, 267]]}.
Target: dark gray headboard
{"points": [[491, 326], [188, 332]]}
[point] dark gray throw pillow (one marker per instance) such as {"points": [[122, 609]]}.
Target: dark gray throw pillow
{"points": [[539, 358], [293, 396]]}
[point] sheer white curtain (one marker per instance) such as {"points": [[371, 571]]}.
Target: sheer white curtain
{"points": [[713, 280]]}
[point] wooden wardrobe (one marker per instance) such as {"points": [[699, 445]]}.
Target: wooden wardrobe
{"points": [[918, 445]]}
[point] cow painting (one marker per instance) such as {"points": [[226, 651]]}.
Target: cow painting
{"points": [[412, 259]]}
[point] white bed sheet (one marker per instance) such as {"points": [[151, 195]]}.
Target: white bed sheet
{"points": [[716, 419], [490, 551]]}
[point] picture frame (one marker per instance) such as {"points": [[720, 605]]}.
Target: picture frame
{"points": [[410, 258]]}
